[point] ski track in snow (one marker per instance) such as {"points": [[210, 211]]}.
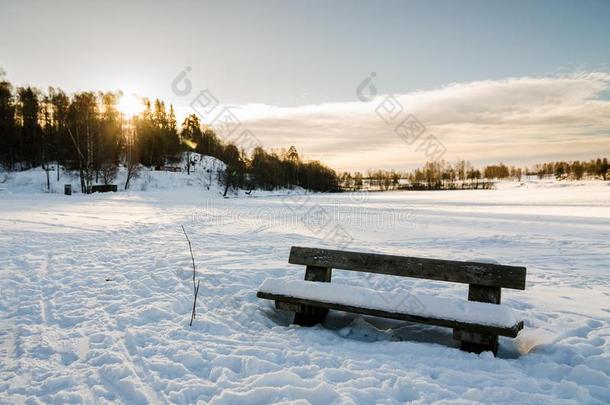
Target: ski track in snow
{"points": [[67, 335]]}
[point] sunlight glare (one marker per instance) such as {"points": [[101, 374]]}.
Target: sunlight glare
{"points": [[130, 104]]}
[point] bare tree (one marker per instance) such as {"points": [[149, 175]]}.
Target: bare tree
{"points": [[131, 161], [108, 171]]}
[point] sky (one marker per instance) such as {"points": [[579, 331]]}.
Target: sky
{"points": [[487, 81]]}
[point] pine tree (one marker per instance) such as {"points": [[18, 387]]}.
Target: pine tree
{"points": [[172, 138], [8, 126], [27, 117], [190, 136]]}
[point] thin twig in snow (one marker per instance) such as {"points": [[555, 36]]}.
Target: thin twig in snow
{"points": [[195, 288], [194, 304], [192, 257]]}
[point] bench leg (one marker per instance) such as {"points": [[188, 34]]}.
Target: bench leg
{"points": [[479, 348], [476, 342], [309, 315], [304, 315]]}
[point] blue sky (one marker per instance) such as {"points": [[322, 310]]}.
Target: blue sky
{"points": [[289, 54]]}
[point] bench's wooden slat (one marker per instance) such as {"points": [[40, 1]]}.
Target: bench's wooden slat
{"points": [[485, 274], [476, 338], [472, 327]]}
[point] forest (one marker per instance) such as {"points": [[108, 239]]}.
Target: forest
{"points": [[85, 132]]}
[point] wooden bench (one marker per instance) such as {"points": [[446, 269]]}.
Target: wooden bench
{"points": [[476, 323], [104, 188]]}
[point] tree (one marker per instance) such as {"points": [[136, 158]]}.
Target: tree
{"points": [[292, 154], [578, 170], [474, 174], [171, 136], [83, 130], [209, 144], [109, 142], [516, 173], [62, 143], [108, 172], [144, 127], [559, 171], [499, 171], [264, 167], [132, 162], [603, 168], [235, 168], [27, 117], [358, 181], [47, 137], [159, 130], [8, 126], [191, 136], [461, 169]]}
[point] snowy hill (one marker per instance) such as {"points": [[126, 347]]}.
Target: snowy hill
{"points": [[204, 175]]}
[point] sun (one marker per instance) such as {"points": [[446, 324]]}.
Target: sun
{"points": [[130, 104]]}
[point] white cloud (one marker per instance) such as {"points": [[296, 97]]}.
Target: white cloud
{"points": [[517, 120]]}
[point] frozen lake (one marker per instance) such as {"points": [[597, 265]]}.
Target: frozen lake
{"points": [[96, 296]]}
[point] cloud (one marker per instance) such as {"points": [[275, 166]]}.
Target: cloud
{"points": [[516, 120]]}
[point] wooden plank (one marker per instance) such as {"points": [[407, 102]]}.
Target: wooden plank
{"points": [[485, 274], [287, 306], [473, 337], [472, 327]]}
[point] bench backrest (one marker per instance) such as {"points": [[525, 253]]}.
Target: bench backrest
{"points": [[484, 274]]}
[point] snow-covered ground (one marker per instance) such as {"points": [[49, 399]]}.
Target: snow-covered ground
{"points": [[205, 174], [96, 294]]}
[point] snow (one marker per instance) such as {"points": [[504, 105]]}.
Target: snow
{"points": [[412, 304], [96, 294], [204, 174]]}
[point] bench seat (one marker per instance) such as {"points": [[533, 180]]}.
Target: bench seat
{"points": [[472, 316]]}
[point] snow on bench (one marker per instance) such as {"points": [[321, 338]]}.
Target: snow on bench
{"points": [[469, 312]]}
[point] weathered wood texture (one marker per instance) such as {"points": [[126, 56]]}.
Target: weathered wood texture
{"points": [[474, 337], [287, 306], [472, 327], [104, 188], [485, 274]]}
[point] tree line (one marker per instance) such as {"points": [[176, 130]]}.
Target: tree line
{"points": [[85, 132], [438, 175], [575, 170]]}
